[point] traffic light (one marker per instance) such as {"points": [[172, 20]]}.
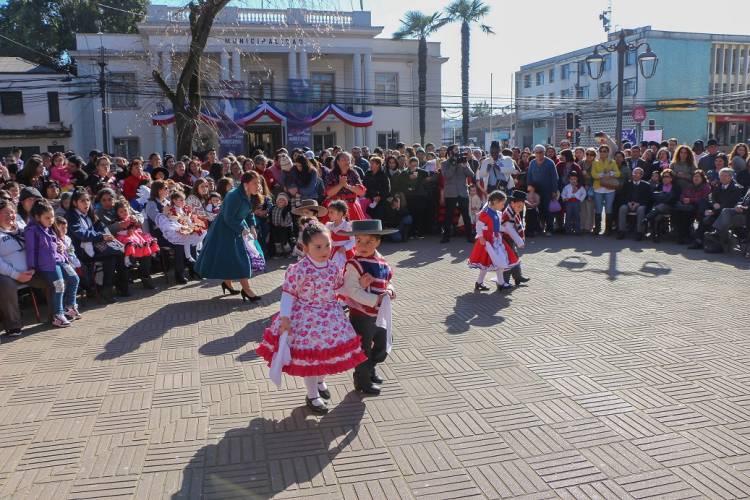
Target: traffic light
{"points": [[577, 120], [569, 134], [578, 138], [569, 120]]}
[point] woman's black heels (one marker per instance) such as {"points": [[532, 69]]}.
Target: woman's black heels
{"points": [[245, 297], [227, 289]]}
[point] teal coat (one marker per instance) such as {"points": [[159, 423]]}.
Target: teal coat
{"points": [[224, 255]]}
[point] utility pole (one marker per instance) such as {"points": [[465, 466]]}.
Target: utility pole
{"points": [[103, 88], [485, 145]]}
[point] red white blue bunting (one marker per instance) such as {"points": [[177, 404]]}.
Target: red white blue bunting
{"points": [[267, 109]]}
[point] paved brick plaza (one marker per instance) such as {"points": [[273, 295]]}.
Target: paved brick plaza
{"points": [[617, 373]]}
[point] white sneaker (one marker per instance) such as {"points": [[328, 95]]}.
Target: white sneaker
{"points": [[72, 313], [60, 321]]}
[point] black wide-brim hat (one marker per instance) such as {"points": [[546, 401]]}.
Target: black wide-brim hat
{"points": [[368, 226], [518, 195], [310, 205]]}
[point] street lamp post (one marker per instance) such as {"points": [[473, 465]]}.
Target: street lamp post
{"points": [[647, 62]]}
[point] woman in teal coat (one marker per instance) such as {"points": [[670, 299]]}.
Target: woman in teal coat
{"points": [[224, 255]]}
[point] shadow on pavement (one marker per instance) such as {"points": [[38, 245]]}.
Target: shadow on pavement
{"points": [[164, 319], [268, 456], [478, 310]]}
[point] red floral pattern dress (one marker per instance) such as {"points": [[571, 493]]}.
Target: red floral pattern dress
{"points": [[324, 341]]}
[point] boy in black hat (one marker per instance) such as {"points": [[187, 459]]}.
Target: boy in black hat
{"points": [[367, 284], [512, 222]]}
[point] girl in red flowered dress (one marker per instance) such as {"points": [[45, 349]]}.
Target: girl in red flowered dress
{"points": [[137, 243], [320, 337]]}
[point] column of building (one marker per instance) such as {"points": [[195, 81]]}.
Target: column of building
{"points": [[369, 98], [357, 87], [158, 130]]}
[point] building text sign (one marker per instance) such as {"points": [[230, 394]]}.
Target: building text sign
{"points": [[265, 41]]}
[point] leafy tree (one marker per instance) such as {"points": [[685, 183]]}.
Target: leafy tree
{"points": [[480, 109], [420, 26], [467, 12], [45, 30]]}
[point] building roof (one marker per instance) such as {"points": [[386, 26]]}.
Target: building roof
{"points": [[498, 122], [18, 65], [643, 32]]}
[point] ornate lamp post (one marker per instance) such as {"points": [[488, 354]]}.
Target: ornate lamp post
{"points": [[647, 62]]}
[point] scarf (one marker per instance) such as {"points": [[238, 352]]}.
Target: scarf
{"points": [[494, 216]]}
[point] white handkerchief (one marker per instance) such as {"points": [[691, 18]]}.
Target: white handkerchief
{"points": [[385, 319], [281, 358]]}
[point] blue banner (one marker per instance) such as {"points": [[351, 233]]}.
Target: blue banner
{"points": [[299, 132]]}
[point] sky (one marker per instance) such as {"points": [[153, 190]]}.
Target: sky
{"points": [[531, 30]]}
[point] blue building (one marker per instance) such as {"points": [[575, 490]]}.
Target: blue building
{"points": [[700, 90]]}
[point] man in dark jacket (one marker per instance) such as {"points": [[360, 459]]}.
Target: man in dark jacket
{"points": [[636, 197], [729, 218], [726, 195]]}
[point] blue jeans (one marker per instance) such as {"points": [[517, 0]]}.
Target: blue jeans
{"points": [[573, 216], [605, 201], [63, 282]]}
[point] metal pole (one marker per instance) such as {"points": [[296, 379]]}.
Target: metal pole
{"points": [[513, 119], [103, 93], [621, 50], [485, 142]]}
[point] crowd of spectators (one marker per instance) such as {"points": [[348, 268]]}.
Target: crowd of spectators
{"points": [[113, 220]]}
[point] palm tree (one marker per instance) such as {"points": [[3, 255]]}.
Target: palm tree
{"points": [[467, 12], [418, 25]]}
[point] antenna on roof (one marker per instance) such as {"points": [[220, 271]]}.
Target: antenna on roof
{"points": [[606, 17]]}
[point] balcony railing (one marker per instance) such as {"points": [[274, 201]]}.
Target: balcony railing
{"points": [[266, 17]]}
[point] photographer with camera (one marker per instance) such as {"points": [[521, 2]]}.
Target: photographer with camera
{"points": [[455, 171], [495, 172]]}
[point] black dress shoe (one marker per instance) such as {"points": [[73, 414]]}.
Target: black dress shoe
{"points": [[375, 379], [324, 393], [522, 279], [696, 246], [372, 389], [320, 410], [180, 280], [480, 287]]}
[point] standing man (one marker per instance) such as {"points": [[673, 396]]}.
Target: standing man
{"points": [[455, 172], [707, 163], [495, 172], [699, 151], [359, 161], [543, 174]]}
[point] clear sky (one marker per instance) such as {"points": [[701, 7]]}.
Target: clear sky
{"points": [[530, 30]]}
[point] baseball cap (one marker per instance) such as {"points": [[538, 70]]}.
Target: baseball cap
{"points": [[309, 155]]}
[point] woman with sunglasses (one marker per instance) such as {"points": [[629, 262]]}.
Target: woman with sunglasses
{"points": [[606, 175]]}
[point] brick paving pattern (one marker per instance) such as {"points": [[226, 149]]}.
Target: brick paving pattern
{"points": [[621, 372]]}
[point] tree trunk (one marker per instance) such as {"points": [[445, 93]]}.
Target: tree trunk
{"points": [[186, 98], [422, 70], [465, 34]]}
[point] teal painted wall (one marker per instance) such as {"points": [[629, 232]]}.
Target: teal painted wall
{"points": [[541, 135], [683, 73]]}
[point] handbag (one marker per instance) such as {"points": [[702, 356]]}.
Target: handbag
{"points": [[257, 260], [554, 206], [609, 182]]}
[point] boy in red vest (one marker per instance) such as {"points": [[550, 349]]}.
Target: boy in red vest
{"points": [[368, 292]]}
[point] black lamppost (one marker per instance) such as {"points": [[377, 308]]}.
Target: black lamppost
{"points": [[647, 62]]}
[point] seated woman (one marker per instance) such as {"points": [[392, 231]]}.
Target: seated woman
{"points": [[154, 210], [13, 268], [131, 182], [181, 228], [119, 219], [94, 243], [692, 203], [664, 199], [199, 199]]}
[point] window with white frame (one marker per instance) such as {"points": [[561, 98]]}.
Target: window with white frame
{"points": [[551, 75], [386, 88], [527, 81], [323, 90], [605, 89], [123, 91], [388, 139], [127, 147], [540, 78], [629, 87], [565, 71]]}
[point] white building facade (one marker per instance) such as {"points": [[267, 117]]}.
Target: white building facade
{"points": [[295, 61], [35, 111]]}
